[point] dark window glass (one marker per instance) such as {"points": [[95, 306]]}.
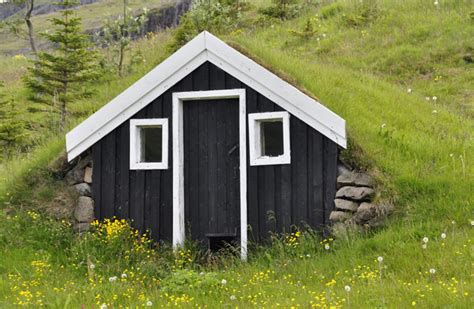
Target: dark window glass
{"points": [[272, 138], [151, 139]]}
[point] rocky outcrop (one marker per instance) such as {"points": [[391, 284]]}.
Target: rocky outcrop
{"points": [[354, 203]]}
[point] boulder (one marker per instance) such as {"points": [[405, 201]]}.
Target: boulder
{"points": [[355, 193], [345, 205], [365, 213], [88, 175], [83, 189], [339, 216], [354, 179], [81, 227], [84, 211]]}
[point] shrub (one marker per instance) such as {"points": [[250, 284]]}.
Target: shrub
{"points": [[362, 13], [282, 9]]}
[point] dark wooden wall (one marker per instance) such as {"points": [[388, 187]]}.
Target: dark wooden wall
{"points": [[300, 193]]}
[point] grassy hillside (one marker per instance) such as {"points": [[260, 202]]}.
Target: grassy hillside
{"points": [[93, 16], [420, 150]]}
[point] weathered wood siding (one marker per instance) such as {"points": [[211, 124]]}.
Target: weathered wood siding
{"points": [[278, 196]]}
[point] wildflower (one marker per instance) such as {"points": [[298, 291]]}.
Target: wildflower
{"points": [[92, 266], [380, 259], [453, 222], [224, 282], [347, 288], [435, 98], [472, 222], [436, 3], [308, 255], [423, 246], [149, 303], [327, 247], [413, 303], [201, 273], [324, 35], [232, 297], [103, 306], [425, 239], [124, 276], [409, 90], [443, 235], [432, 271], [427, 98], [383, 125], [113, 279], [434, 111]]}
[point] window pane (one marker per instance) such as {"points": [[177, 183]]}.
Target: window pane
{"points": [[272, 138], [151, 142]]}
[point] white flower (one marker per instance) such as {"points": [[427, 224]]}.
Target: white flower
{"points": [[436, 3], [324, 35], [383, 125], [434, 111], [443, 235], [347, 288], [451, 155], [308, 255], [472, 222], [327, 247], [427, 98], [435, 98], [232, 297], [149, 303], [432, 271], [224, 282], [453, 222], [124, 276], [423, 246], [92, 266], [113, 279], [425, 240], [410, 90], [201, 273], [380, 259], [103, 306]]}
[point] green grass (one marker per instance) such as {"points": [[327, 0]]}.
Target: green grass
{"points": [[92, 16], [419, 150]]}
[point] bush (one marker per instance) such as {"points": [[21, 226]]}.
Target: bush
{"points": [[282, 9], [362, 13], [216, 16]]}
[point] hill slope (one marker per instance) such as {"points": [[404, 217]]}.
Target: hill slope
{"points": [[420, 150]]}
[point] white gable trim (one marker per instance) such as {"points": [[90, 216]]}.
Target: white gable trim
{"points": [[204, 47]]}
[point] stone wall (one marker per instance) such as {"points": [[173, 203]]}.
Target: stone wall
{"points": [[80, 178], [355, 200]]}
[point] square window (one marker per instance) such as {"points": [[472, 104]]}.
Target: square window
{"points": [[148, 144], [269, 138]]}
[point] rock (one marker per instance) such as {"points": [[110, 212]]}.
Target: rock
{"points": [[365, 213], [345, 205], [355, 193], [342, 169], [339, 216], [88, 175], [81, 227], [75, 176], [84, 211], [83, 189], [354, 179]]}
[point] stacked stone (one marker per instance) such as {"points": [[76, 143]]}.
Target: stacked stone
{"points": [[353, 203], [80, 178]]}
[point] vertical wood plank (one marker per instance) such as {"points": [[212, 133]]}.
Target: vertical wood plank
{"points": [[124, 180], [330, 176], [317, 188], [97, 178], [108, 175], [252, 179]]}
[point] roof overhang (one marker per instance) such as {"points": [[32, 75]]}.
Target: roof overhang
{"points": [[204, 47]]}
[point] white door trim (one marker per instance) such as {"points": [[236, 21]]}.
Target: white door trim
{"points": [[178, 157]]}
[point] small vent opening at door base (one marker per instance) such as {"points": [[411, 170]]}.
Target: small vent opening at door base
{"points": [[217, 242]]}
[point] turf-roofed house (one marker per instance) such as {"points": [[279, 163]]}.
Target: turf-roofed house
{"points": [[212, 146]]}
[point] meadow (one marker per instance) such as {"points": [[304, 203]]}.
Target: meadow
{"points": [[401, 77]]}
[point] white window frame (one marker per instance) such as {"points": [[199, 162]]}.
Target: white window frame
{"points": [[255, 146], [180, 98], [135, 144]]}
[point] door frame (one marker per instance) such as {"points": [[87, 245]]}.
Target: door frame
{"points": [[178, 160]]}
